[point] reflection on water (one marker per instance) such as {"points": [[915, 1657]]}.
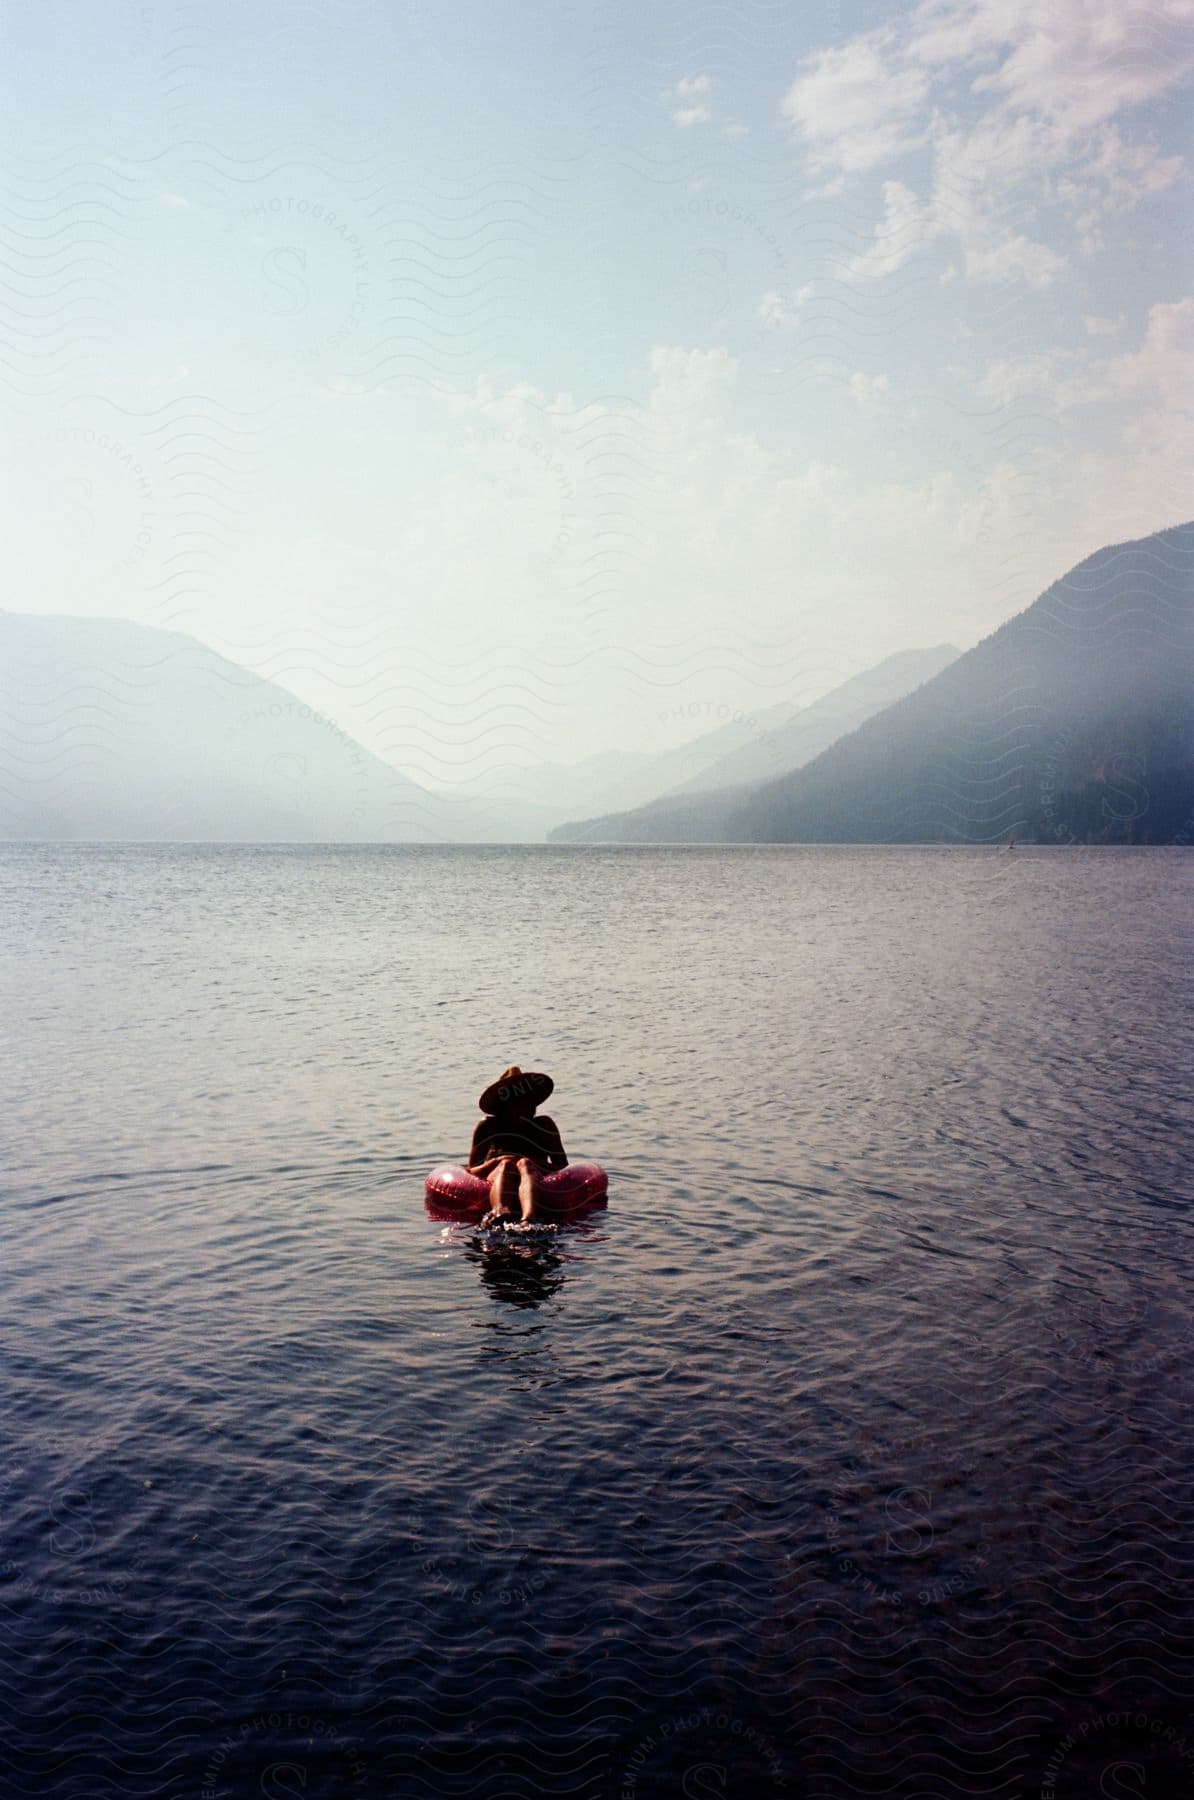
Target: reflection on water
{"points": [[522, 1274], [523, 1266], [846, 1454]]}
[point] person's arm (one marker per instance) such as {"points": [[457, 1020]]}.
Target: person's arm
{"points": [[553, 1145], [478, 1162]]}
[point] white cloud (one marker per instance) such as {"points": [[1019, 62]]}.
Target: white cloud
{"points": [[780, 307], [855, 108], [686, 379], [1165, 361], [1162, 368], [1017, 105], [1065, 378], [497, 525], [1080, 62], [990, 252], [721, 512], [1016, 258], [1132, 174], [869, 390], [1118, 179], [993, 509], [973, 178], [1099, 327], [817, 482], [902, 230], [688, 100]]}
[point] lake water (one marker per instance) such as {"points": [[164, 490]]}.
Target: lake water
{"points": [[847, 1453]]}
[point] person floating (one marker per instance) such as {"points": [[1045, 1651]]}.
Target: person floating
{"points": [[513, 1147]]}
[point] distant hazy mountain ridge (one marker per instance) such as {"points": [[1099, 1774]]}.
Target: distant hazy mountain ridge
{"points": [[701, 808], [1073, 723], [114, 730], [111, 730]]}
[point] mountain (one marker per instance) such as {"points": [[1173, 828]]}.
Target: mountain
{"points": [[617, 780], [700, 807], [791, 737], [115, 730], [1073, 723], [112, 730], [535, 798]]}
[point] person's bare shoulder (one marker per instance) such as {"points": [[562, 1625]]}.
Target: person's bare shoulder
{"points": [[550, 1142]]}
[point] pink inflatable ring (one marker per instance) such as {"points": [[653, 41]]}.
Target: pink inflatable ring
{"points": [[452, 1193]]}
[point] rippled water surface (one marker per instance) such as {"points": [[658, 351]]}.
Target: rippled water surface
{"points": [[847, 1452]]}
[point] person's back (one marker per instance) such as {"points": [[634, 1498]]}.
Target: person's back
{"points": [[513, 1147], [520, 1134]]}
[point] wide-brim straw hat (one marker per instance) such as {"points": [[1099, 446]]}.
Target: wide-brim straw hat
{"points": [[528, 1086]]}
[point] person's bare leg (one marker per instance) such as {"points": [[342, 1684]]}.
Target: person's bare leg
{"points": [[528, 1187], [503, 1184]]}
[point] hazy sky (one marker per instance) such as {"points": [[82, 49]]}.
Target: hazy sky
{"points": [[519, 380]]}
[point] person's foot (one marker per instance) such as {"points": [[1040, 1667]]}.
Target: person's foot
{"points": [[496, 1216]]}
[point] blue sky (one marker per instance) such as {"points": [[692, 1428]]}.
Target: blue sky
{"points": [[509, 380]]}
